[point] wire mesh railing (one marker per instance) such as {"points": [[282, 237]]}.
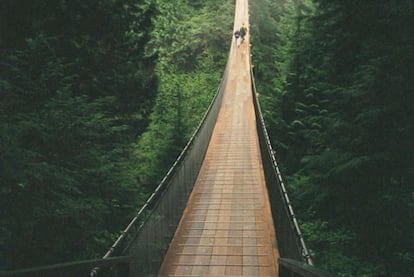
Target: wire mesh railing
{"points": [[146, 238], [290, 240]]}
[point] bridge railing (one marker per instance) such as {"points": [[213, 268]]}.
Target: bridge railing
{"points": [[147, 237], [295, 259], [290, 240]]}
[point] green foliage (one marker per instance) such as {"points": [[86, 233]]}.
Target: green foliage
{"points": [[81, 82], [190, 42], [338, 107], [76, 89], [333, 244]]}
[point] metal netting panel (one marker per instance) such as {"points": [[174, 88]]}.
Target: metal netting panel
{"points": [[286, 237], [148, 247], [289, 237]]}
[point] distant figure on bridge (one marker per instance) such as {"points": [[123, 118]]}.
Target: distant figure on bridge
{"points": [[237, 36], [243, 31]]}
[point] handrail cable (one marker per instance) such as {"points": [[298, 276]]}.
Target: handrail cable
{"points": [[294, 224], [163, 185]]}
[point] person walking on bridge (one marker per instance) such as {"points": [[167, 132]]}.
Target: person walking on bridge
{"points": [[237, 37], [243, 31]]}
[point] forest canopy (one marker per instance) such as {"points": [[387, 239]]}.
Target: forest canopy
{"points": [[336, 86], [100, 96], [98, 99]]}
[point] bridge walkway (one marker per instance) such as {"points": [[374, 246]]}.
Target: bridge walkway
{"points": [[227, 227]]}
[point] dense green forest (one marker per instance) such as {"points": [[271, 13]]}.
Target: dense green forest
{"points": [[192, 55], [336, 83], [98, 98]]}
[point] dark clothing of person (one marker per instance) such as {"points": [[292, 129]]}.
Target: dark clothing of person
{"points": [[243, 31]]}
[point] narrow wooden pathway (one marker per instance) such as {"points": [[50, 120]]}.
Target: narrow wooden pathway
{"points": [[227, 227]]}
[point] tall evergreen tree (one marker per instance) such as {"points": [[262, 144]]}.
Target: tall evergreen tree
{"points": [[76, 90], [190, 40], [346, 130]]}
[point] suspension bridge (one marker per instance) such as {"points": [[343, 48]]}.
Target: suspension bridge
{"points": [[222, 209]]}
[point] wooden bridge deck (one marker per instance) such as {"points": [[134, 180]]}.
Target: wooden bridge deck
{"points": [[227, 227]]}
